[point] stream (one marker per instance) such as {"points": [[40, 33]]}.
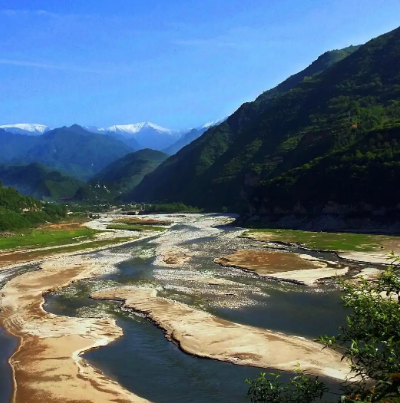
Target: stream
{"points": [[143, 360]]}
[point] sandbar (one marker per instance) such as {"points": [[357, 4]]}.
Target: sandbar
{"points": [[292, 267], [201, 334]]}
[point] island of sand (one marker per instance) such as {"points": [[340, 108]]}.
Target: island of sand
{"points": [[291, 267], [204, 335]]}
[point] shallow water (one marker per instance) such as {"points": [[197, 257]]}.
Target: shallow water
{"points": [[144, 362]]}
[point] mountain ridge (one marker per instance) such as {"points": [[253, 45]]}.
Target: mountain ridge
{"points": [[323, 108], [190, 165], [72, 150]]}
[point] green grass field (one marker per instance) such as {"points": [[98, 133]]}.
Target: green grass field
{"points": [[136, 227], [325, 240], [43, 237], [92, 245]]}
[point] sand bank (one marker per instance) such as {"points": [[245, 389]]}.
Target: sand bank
{"points": [[301, 269], [202, 334], [47, 366]]}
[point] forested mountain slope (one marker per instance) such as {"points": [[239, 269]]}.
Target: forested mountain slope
{"points": [[284, 129], [361, 178], [184, 141], [126, 173], [39, 181], [197, 176], [18, 211]]}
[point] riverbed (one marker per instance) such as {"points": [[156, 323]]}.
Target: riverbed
{"points": [[147, 364]]}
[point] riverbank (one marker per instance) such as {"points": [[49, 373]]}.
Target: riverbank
{"points": [[47, 365]]}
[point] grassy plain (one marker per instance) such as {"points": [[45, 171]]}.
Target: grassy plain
{"points": [[326, 240], [52, 235], [35, 254]]}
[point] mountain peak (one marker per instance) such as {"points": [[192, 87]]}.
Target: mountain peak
{"points": [[133, 128], [26, 128]]}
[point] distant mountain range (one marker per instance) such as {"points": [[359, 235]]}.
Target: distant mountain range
{"points": [[136, 135], [31, 129], [72, 150]]}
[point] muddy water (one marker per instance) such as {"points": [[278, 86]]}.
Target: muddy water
{"points": [[144, 362]]}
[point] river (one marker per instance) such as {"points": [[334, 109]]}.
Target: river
{"points": [[143, 361]]}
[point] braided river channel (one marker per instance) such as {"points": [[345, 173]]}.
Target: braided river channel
{"points": [[143, 360]]}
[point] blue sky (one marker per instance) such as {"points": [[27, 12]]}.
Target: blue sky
{"points": [[177, 63]]}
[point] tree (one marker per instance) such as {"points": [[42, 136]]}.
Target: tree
{"points": [[370, 340]]}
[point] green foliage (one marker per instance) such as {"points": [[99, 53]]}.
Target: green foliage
{"points": [[18, 211], [34, 238], [370, 341], [364, 173], [300, 389], [333, 241]]}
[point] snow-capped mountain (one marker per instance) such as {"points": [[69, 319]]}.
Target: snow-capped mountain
{"points": [[33, 129], [213, 123], [147, 134], [136, 135]]}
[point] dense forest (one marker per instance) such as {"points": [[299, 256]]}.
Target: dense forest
{"points": [[345, 102], [19, 211], [39, 181]]}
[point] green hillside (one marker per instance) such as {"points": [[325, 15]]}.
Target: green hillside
{"points": [[19, 211], [39, 181], [361, 178], [198, 175], [184, 141], [308, 116], [120, 177]]}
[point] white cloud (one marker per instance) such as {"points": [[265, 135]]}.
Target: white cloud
{"points": [[50, 66], [43, 13]]}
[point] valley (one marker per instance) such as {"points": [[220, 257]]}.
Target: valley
{"points": [[250, 258]]}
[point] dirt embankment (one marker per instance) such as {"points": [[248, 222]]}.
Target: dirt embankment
{"points": [[47, 366], [300, 269], [202, 334]]}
